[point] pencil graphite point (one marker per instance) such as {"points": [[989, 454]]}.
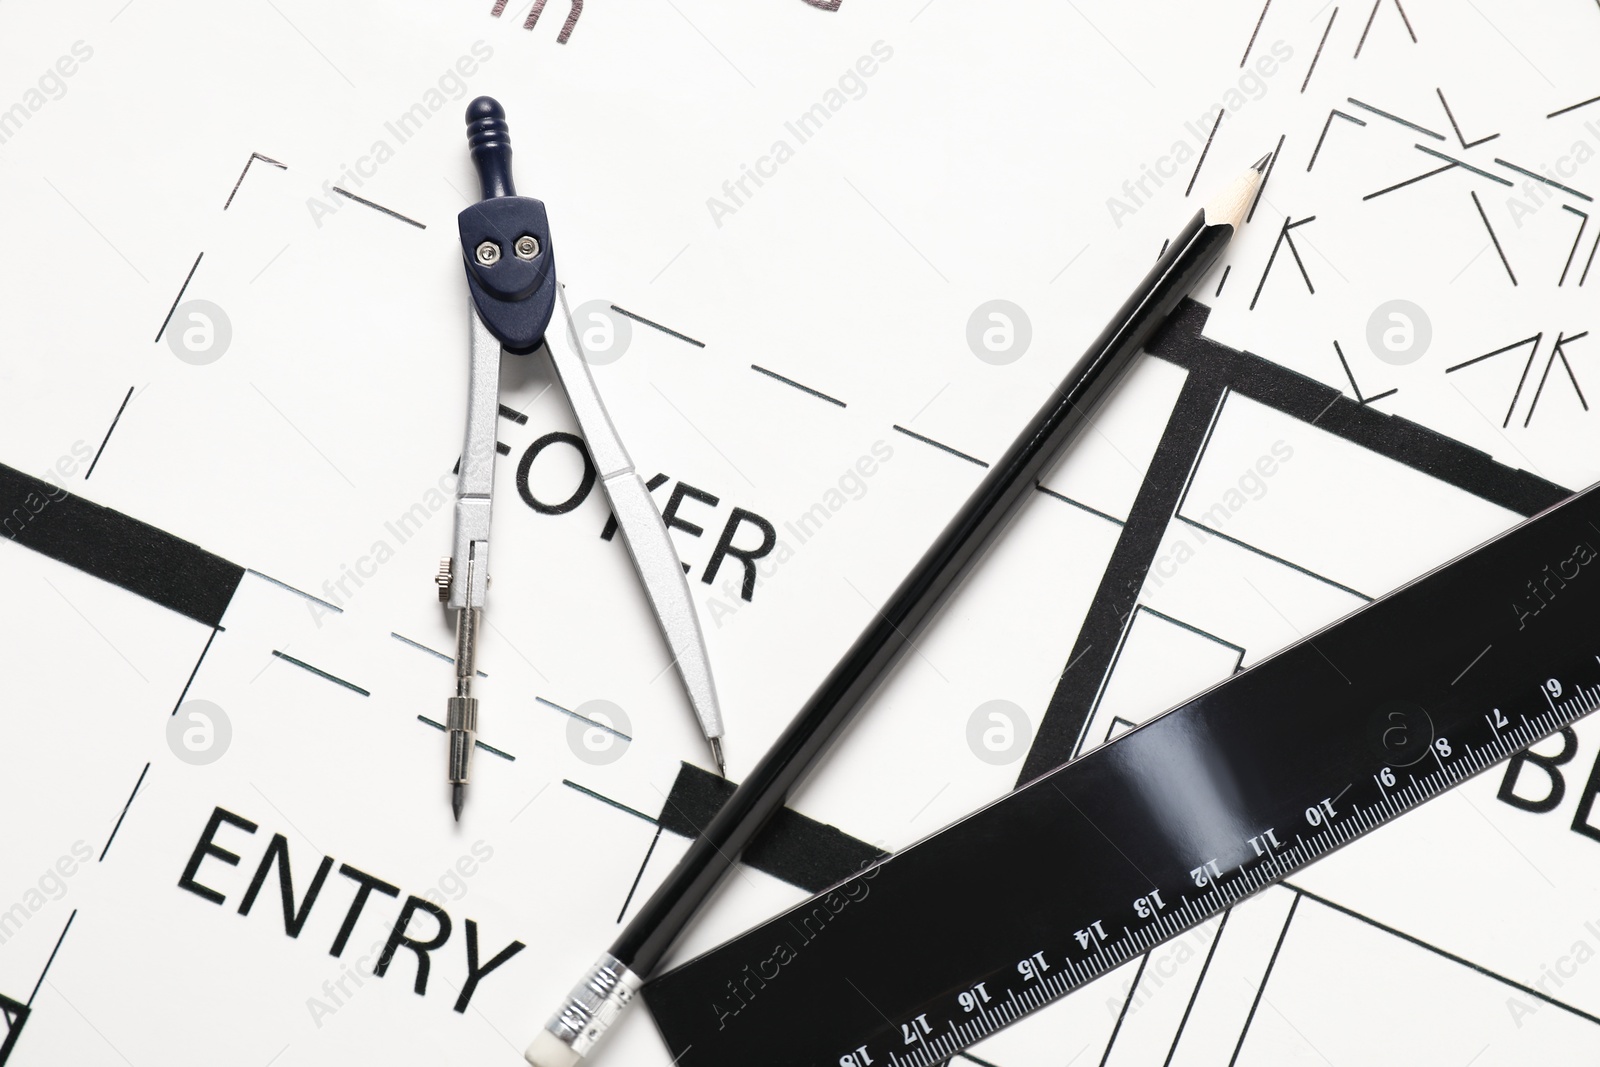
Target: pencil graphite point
{"points": [[458, 798], [1230, 206]]}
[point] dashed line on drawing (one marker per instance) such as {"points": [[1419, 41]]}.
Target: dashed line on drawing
{"points": [[803, 388], [1312, 69], [940, 445], [107, 439], [1541, 178], [479, 744], [1396, 118], [657, 326], [379, 207], [179, 298], [1246, 57], [319, 672], [1202, 160]]}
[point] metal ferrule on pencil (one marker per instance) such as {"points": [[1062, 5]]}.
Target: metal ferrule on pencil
{"points": [[594, 1004]]}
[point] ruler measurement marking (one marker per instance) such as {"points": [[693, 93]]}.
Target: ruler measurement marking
{"points": [[1469, 754], [1222, 894]]}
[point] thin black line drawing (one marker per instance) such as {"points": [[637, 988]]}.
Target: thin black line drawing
{"points": [[1410, 181], [379, 207], [128, 804], [1261, 990], [1456, 127], [1517, 393], [1396, 118], [1492, 235], [179, 298], [1583, 224], [1285, 238], [1252, 42], [319, 672], [1463, 165], [253, 157], [1368, 28], [939, 445], [1324, 136], [803, 388], [1313, 67], [1557, 351], [1573, 107], [657, 326], [1541, 178], [1212, 136], [107, 438], [1356, 389]]}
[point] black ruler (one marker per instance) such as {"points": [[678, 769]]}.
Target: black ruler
{"points": [[1095, 863]]}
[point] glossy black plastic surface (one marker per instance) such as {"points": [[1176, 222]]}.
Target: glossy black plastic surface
{"points": [[1097, 861]]}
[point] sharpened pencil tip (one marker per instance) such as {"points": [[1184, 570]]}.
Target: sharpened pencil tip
{"points": [[1231, 206], [458, 798]]}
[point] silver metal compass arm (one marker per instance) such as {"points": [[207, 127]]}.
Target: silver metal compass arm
{"points": [[649, 545], [464, 578], [475, 485]]}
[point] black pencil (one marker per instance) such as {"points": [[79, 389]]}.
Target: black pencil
{"points": [[611, 983]]}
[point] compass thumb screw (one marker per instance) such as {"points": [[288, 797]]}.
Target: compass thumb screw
{"points": [[489, 138]]}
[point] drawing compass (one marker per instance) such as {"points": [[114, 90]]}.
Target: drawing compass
{"points": [[510, 266]]}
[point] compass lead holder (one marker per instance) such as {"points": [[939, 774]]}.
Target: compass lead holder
{"points": [[505, 245]]}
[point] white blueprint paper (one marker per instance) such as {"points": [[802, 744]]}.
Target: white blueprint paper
{"points": [[808, 214]]}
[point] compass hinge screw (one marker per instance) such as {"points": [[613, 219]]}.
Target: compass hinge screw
{"points": [[488, 253]]}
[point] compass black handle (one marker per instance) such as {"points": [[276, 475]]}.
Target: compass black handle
{"points": [[489, 137], [505, 239]]}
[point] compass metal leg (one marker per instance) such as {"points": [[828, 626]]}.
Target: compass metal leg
{"points": [[464, 578]]}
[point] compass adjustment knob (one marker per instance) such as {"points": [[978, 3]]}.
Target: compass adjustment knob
{"points": [[444, 578]]}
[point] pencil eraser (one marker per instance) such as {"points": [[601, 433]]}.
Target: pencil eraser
{"points": [[548, 1050]]}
